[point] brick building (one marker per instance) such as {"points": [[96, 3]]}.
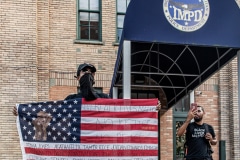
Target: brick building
{"points": [[41, 45]]}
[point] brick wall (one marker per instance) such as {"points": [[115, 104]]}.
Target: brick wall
{"points": [[166, 135], [234, 111], [224, 108], [18, 68], [61, 92], [37, 38], [232, 130], [229, 109], [42, 52]]}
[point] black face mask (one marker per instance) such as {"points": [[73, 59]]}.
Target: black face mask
{"points": [[86, 86], [87, 77]]}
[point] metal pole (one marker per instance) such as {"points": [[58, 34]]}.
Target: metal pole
{"points": [[126, 70], [115, 92], [238, 61], [192, 97]]}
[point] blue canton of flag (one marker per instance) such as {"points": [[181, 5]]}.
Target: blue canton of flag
{"points": [[59, 119]]}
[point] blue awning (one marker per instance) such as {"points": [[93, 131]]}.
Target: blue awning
{"points": [[179, 43]]}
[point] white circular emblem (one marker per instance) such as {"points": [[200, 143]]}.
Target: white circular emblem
{"points": [[186, 15]]}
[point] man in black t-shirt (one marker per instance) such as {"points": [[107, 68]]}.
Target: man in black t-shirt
{"points": [[199, 135]]}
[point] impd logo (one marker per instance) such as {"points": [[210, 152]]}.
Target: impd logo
{"points": [[186, 15]]}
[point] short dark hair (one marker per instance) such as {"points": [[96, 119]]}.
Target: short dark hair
{"points": [[202, 108]]}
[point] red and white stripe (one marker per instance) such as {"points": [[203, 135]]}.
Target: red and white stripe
{"points": [[111, 129]]}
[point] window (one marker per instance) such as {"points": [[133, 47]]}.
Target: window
{"points": [[121, 11], [180, 111], [89, 15], [182, 106], [178, 141]]}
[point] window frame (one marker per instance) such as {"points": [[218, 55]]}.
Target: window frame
{"points": [[78, 27], [175, 120], [119, 14]]}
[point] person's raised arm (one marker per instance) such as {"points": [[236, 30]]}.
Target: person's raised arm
{"points": [[183, 128]]}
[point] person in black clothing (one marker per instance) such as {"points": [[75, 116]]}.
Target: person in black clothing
{"points": [[85, 76], [199, 136]]}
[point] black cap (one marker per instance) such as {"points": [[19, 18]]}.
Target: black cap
{"points": [[84, 66]]}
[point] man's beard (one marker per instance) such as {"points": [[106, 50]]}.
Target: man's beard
{"points": [[197, 119]]}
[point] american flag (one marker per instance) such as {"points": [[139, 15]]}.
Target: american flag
{"points": [[103, 129]]}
